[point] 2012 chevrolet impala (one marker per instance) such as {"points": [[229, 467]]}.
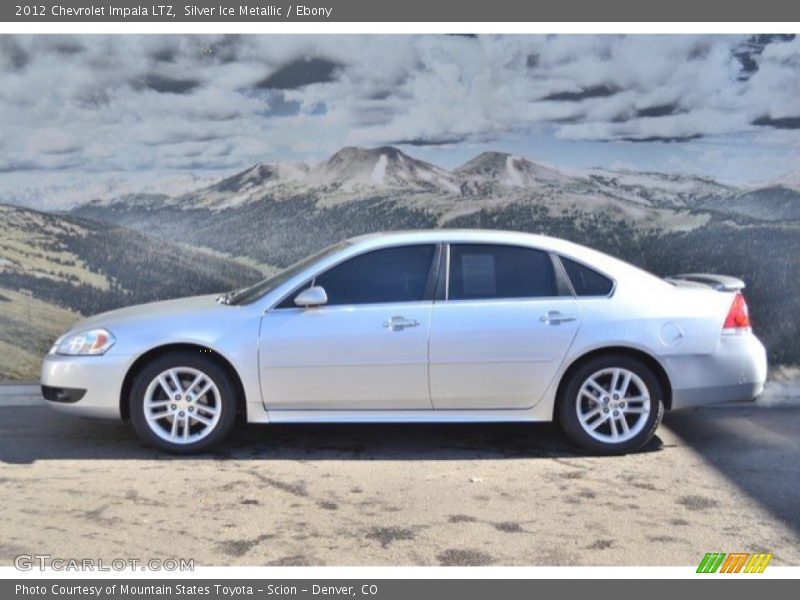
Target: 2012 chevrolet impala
{"points": [[427, 326]]}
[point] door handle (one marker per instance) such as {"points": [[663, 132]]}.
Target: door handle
{"points": [[398, 323], [554, 317]]}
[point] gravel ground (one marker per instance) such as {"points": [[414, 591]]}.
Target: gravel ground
{"points": [[717, 479]]}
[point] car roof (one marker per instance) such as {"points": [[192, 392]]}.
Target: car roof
{"points": [[492, 236], [451, 235]]}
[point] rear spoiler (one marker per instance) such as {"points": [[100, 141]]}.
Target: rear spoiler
{"points": [[721, 283]]}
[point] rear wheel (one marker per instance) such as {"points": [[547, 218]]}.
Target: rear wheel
{"points": [[182, 403], [611, 404]]}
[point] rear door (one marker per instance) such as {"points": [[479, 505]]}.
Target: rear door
{"points": [[499, 337]]}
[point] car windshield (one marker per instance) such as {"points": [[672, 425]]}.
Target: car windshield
{"points": [[256, 291]]}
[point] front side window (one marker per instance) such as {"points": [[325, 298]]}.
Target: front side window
{"points": [[250, 294], [486, 271], [397, 274]]}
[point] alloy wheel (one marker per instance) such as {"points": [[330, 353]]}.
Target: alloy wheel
{"points": [[613, 405], [182, 405]]}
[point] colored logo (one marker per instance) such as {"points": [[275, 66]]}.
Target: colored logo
{"points": [[734, 562]]}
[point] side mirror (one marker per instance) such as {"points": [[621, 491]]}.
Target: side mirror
{"points": [[310, 297]]}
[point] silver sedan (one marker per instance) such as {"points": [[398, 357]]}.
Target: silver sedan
{"points": [[427, 326]]}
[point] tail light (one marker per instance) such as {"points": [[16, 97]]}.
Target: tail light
{"points": [[738, 316]]}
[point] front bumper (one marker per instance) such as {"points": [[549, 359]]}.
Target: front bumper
{"points": [[60, 394], [736, 371], [100, 377]]}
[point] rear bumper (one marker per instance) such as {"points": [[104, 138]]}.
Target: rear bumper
{"points": [[735, 372], [84, 385], [744, 392]]}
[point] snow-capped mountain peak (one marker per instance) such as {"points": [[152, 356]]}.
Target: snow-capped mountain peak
{"points": [[384, 167], [245, 186], [354, 173], [507, 170]]}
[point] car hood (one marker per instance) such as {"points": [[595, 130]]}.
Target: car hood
{"points": [[154, 311]]}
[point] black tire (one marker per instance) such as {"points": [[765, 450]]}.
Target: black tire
{"points": [[568, 404], [192, 360]]}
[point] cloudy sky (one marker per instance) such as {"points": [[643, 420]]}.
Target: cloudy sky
{"points": [[84, 108]]}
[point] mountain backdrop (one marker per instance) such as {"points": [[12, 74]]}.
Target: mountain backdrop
{"points": [[123, 249]]}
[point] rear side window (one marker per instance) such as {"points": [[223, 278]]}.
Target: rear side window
{"points": [[586, 281], [485, 271], [390, 275]]}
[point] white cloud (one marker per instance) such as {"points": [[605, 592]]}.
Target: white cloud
{"points": [[192, 102]]}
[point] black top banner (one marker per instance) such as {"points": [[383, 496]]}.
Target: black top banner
{"points": [[466, 11]]}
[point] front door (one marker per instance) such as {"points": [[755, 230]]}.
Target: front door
{"points": [[366, 349]]}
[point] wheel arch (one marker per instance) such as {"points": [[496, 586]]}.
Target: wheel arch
{"points": [[158, 351], [648, 359]]}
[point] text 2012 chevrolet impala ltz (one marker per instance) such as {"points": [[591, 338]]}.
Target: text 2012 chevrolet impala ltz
{"points": [[428, 326]]}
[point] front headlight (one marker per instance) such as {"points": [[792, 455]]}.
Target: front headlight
{"points": [[85, 343]]}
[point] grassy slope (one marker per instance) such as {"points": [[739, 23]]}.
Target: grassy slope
{"points": [[54, 268], [28, 328]]}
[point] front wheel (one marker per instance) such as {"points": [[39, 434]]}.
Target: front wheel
{"points": [[611, 405], [182, 403]]}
